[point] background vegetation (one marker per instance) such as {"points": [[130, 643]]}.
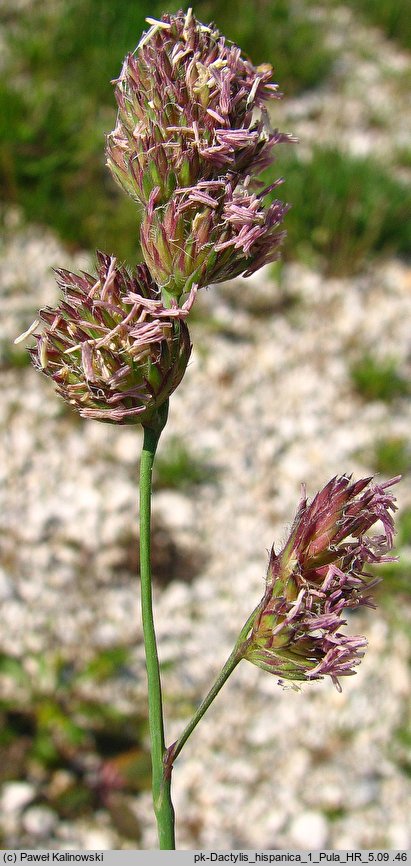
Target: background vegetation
{"points": [[393, 16]]}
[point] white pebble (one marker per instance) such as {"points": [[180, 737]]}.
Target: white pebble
{"points": [[175, 509], [39, 821], [309, 831], [97, 839], [15, 796], [6, 587]]}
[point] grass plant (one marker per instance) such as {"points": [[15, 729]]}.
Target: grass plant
{"points": [[375, 379]]}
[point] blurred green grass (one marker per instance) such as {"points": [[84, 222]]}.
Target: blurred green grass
{"points": [[178, 469], [392, 456], [345, 209], [392, 16], [379, 379]]}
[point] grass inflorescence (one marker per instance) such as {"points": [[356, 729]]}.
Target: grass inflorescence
{"points": [[56, 103]]}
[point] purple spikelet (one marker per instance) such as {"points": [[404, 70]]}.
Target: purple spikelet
{"points": [[190, 108], [114, 352], [320, 572]]}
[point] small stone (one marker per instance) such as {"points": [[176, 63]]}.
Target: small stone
{"points": [[60, 782], [174, 508], [6, 586], [105, 634], [399, 837], [39, 821], [125, 446], [97, 839], [15, 796], [366, 791], [331, 796], [309, 831]]}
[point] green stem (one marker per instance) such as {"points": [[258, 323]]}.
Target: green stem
{"points": [[234, 658], [161, 782]]}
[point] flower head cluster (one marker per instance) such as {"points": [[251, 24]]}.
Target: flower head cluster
{"points": [[191, 138], [190, 108], [320, 572], [113, 350], [211, 233], [192, 135]]}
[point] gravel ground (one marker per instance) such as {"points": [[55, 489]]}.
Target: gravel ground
{"points": [[267, 402], [364, 107]]}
